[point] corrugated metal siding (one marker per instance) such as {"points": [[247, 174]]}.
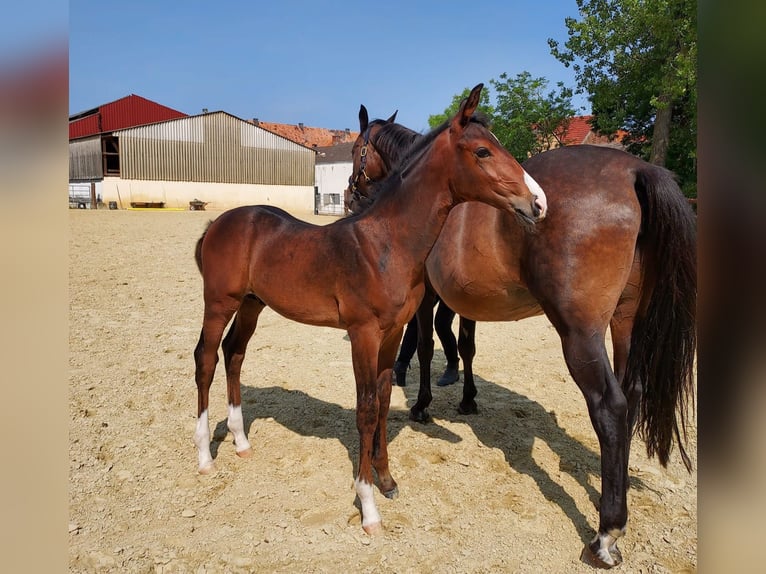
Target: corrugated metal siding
{"points": [[215, 147], [85, 159], [123, 113]]}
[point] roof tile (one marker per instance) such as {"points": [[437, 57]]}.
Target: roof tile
{"points": [[309, 136]]}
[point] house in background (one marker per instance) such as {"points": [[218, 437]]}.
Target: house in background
{"points": [[333, 161], [333, 168], [580, 132], [309, 136]]}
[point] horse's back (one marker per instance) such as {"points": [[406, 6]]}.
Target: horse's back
{"points": [[581, 259], [487, 265], [249, 246]]}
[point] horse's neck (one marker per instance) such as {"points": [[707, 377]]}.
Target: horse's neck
{"points": [[413, 214]]}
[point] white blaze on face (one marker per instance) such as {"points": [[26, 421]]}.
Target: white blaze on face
{"points": [[537, 191]]}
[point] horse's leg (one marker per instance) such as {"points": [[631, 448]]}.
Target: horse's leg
{"points": [[234, 347], [425, 315], [217, 315], [406, 351], [588, 364], [380, 441], [365, 347], [443, 327], [466, 344], [621, 326]]}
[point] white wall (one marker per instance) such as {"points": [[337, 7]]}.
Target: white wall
{"points": [[332, 178], [295, 199]]}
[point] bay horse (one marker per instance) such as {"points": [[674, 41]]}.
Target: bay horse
{"points": [[617, 250], [363, 274]]}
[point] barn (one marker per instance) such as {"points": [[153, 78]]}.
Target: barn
{"points": [[93, 151], [179, 161]]}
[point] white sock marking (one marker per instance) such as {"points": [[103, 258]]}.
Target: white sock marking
{"points": [[370, 514], [202, 440], [236, 425]]}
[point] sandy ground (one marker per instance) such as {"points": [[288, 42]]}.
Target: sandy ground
{"points": [[509, 490]]}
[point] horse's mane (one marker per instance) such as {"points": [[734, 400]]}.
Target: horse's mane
{"points": [[400, 147], [392, 142]]}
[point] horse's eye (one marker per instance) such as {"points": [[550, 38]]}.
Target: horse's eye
{"points": [[483, 152]]}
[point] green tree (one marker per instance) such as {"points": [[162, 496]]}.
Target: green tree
{"points": [[528, 120], [637, 60], [484, 107], [524, 118]]}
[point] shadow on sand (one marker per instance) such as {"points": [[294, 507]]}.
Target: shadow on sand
{"points": [[511, 424]]}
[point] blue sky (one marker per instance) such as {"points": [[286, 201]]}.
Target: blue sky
{"points": [[313, 62]]}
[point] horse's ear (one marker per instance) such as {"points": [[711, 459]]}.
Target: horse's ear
{"points": [[392, 118], [364, 119], [468, 107]]}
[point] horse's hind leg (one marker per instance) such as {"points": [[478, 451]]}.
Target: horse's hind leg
{"points": [[205, 359], [380, 440], [622, 327], [443, 327], [466, 344], [234, 347], [588, 363], [425, 315]]}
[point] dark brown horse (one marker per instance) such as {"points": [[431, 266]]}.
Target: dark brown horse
{"points": [[363, 274], [617, 250]]}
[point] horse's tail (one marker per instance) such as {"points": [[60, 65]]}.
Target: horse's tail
{"points": [[198, 247], [664, 337]]}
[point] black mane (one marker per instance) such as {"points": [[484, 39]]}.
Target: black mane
{"points": [[400, 147]]}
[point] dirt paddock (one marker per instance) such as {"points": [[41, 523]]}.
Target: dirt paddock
{"points": [[512, 489]]}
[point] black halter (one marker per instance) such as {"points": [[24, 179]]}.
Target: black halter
{"points": [[353, 179]]}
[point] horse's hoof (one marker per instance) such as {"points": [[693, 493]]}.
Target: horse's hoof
{"points": [[247, 453], [419, 416], [393, 493], [208, 469], [400, 370], [450, 377], [602, 559], [373, 529], [468, 408]]}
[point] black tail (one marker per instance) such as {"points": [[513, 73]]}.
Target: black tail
{"points": [[198, 248], [664, 338]]}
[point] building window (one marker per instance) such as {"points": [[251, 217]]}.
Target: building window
{"points": [[110, 150]]}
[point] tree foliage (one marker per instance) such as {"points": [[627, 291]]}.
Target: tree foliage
{"points": [[525, 118], [637, 60], [485, 107]]}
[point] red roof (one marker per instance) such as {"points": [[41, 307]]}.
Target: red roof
{"points": [[127, 112], [579, 131], [308, 136]]}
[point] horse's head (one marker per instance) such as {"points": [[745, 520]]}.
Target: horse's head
{"points": [[483, 170], [368, 165], [382, 143]]}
